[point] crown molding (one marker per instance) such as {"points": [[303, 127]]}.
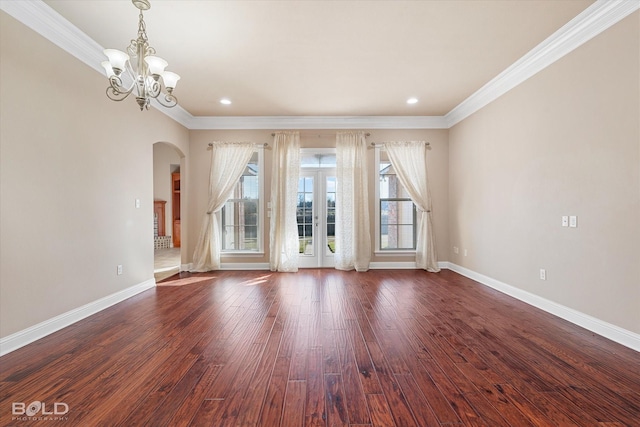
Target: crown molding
{"points": [[592, 21], [176, 113], [45, 21], [601, 15], [318, 122]]}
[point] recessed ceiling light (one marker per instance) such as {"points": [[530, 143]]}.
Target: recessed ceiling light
{"points": [[225, 101], [412, 101]]}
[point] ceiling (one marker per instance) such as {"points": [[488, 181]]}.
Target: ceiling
{"points": [[327, 58]]}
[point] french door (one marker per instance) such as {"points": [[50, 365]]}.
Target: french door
{"points": [[316, 215]]}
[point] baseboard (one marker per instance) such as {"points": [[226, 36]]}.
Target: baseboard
{"points": [[244, 266], [384, 265], [233, 266], [391, 265], [20, 339], [600, 327]]}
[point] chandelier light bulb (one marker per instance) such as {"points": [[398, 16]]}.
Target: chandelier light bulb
{"points": [[117, 59], [108, 68], [170, 79], [156, 65]]}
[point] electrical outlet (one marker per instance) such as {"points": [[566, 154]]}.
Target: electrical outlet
{"points": [[119, 270], [456, 250], [543, 274], [137, 203]]}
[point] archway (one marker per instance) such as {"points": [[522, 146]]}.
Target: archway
{"points": [[168, 169]]}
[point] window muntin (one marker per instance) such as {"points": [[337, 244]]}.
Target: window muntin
{"points": [[241, 213], [397, 213]]}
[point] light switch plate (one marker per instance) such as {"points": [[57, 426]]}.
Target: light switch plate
{"points": [[573, 221]]}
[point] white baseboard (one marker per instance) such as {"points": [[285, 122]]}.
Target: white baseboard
{"points": [[404, 265], [391, 265], [384, 265], [600, 327], [244, 266], [20, 339], [233, 266]]}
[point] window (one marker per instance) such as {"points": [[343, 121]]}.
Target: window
{"points": [[241, 214], [395, 212]]}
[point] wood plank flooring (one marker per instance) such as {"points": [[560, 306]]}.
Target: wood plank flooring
{"points": [[322, 348]]}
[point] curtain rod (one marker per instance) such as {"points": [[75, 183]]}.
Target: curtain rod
{"points": [[265, 145], [374, 145], [325, 134]]}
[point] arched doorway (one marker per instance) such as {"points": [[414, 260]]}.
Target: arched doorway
{"points": [[168, 168]]}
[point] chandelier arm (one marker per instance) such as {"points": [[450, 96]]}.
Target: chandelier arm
{"points": [[169, 100], [153, 88], [117, 90], [114, 95]]}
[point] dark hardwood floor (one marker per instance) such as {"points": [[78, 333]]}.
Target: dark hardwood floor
{"points": [[323, 348]]}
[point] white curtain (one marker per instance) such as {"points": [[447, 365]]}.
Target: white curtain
{"points": [[228, 161], [353, 237], [409, 159], [283, 235]]}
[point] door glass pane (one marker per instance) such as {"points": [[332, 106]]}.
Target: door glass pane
{"points": [[331, 215], [304, 214]]}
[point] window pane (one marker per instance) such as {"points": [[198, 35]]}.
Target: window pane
{"points": [[397, 226], [240, 225], [397, 229], [240, 216], [390, 186], [331, 215], [331, 184], [304, 215], [318, 160]]}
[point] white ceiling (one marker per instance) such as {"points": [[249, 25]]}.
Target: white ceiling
{"points": [[328, 58]]}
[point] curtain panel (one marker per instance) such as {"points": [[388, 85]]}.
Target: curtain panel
{"points": [[353, 236], [283, 234], [228, 161], [409, 159]]}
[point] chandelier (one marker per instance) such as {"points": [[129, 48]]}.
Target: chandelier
{"points": [[144, 74]]}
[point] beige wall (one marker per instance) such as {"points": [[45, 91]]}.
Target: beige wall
{"points": [[72, 164], [565, 142], [437, 163]]}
